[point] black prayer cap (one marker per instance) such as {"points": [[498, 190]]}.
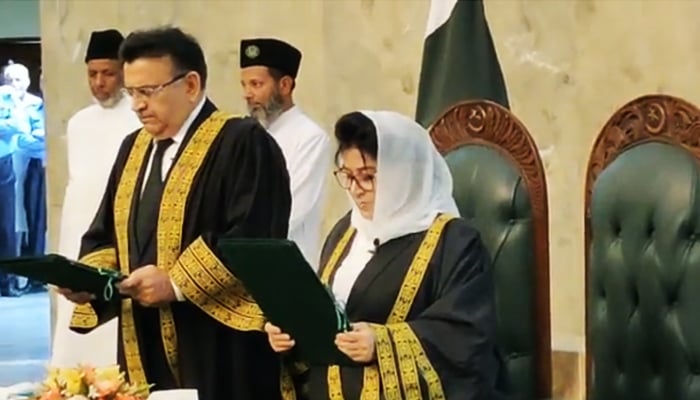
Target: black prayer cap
{"points": [[104, 44], [271, 53]]}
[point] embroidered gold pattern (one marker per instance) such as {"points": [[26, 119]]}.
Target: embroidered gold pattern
{"points": [[332, 263], [335, 386], [407, 294], [407, 363], [84, 316], [414, 276], [370, 383], [435, 391], [122, 210], [104, 258], [172, 215], [207, 283], [287, 385], [387, 363]]}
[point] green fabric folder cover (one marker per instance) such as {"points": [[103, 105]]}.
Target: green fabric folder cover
{"points": [[54, 269], [290, 295]]}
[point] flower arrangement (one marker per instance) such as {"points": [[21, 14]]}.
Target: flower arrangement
{"points": [[89, 383]]}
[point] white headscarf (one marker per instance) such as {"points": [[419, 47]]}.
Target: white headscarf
{"points": [[413, 183]]}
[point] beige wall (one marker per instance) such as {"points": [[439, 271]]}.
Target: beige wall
{"points": [[568, 66]]}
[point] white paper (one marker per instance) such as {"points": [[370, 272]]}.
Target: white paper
{"points": [[179, 394]]}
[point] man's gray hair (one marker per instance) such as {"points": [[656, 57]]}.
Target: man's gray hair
{"points": [[13, 66]]}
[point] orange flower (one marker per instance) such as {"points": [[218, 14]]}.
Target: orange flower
{"points": [[106, 387], [51, 394], [87, 382], [88, 374], [121, 396]]}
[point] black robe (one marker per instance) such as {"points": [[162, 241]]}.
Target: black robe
{"points": [[228, 179], [436, 341]]}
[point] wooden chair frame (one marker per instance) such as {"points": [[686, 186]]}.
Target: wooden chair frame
{"points": [[487, 123], [651, 118]]}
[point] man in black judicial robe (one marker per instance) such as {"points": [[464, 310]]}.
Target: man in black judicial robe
{"points": [[191, 176]]}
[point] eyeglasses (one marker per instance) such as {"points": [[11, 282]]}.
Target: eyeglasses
{"points": [[345, 178], [151, 90]]}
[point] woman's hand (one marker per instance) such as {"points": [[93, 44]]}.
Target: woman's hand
{"points": [[279, 341], [358, 344], [79, 298]]}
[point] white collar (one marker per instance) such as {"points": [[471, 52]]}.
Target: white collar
{"points": [[180, 135], [285, 116]]}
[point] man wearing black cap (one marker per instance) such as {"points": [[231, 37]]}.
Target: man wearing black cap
{"points": [[94, 135], [269, 69]]}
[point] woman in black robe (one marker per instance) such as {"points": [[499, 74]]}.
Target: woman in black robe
{"points": [[413, 275]]}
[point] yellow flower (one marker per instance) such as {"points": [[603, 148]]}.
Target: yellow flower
{"points": [[86, 382], [72, 380], [111, 373], [51, 378]]}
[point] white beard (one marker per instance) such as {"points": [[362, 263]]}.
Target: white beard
{"points": [[111, 101]]}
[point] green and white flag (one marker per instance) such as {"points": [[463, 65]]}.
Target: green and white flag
{"points": [[459, 59]]}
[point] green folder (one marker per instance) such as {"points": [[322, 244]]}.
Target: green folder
{"points": [[54, 269], [290, 295]]}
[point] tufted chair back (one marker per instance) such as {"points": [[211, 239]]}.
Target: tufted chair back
{"points": [[642, 256], [499, 186]]}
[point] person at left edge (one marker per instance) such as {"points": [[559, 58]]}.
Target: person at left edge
{"points": [[191, 176], [27, 148]]}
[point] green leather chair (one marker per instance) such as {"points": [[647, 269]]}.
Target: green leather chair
{"points": [[642, 226], [499, 185]]}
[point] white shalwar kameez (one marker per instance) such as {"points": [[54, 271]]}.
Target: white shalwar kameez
{"points": [[306, 148], [94, 135]]}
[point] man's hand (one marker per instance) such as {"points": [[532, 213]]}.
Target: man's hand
{"points": [[279, 341], [76, 297], [148, 285], [358, 344]]}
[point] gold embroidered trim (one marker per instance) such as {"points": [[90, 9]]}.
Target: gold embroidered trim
{"points": [[122, 210], [402, 306], [84, 316], [370, 383], [287, 385], [103, 258], [387, 363], [172, 215], [207, 283], [407, 363], [431, 377], [416, 272], [335, 386], [168, 335], [333, 263], [132, 354]]}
